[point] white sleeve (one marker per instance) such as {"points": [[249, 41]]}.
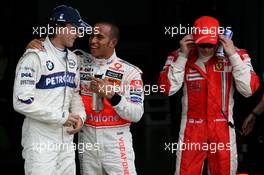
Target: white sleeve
{"points": [[130, 105], [77, 106], [242, 73], [172, 76], [176, 73], [28, 73]]}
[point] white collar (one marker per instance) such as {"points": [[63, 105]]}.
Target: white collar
{"points": [[58, 52], [102, 62], [204, 59]]}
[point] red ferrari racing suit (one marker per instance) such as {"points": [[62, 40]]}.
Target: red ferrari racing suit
{"points": [[207, 107], [107, 131]]}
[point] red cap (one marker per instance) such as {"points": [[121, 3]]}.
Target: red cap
{"points": [[206, 30]]}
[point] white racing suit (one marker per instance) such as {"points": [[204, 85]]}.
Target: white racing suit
{"points": [[106, 137], [45, 91]]}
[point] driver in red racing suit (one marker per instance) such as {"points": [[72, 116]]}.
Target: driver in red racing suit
{"points": [[208, 86]]}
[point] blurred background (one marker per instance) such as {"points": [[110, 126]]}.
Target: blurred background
{"points": [[143, 43]]}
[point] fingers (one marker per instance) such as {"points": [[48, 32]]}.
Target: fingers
{"points": [[72, 120], [245, 128], [225, 40], [97, 83], [94, 86], [187, 39], [244, 125], [189, 42], [186, 43], [69, 123], [94, 79], [228, 45], [76, 127], [98, 80], [35, 44], [102, 87], [248, 124]]}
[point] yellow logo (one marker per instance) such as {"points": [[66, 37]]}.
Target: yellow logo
{"points": [[219, 67]]}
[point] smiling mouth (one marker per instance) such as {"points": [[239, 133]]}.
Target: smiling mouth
{"points": [[93, 48]]}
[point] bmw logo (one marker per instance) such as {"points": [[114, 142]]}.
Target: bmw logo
{"points": [[50, 65]]}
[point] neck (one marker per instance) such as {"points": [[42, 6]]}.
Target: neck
{"points": [[107, 56], [204, 58], [57, 43]]}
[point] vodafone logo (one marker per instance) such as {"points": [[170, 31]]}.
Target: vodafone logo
{"points": [[117, 67], [136, 83], [122, 148]]}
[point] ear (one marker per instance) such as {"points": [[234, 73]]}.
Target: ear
{"points": [[113, 43]]}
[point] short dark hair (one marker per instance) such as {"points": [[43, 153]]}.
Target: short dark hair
{"points": [[115, 33]]}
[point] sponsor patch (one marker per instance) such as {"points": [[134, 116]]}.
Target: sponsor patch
{"points": [[72, 63], [28, 69], [113, 81], [27, 82], [120, 133], [117, 67], [50, 65], [27, 101], [85, 89], [109, 62], [136, 86], [219, 67], [26, 75], [223, 67], [137, 93], [195, 86], [86, 60], [123, 156], [55, 80], [113, 74], [136, 83], [103, 118], [85, 76], [136, 99], [86, 69], [194, 76]]}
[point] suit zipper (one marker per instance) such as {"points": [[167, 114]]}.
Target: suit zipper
{"points": [[65, 88]]}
